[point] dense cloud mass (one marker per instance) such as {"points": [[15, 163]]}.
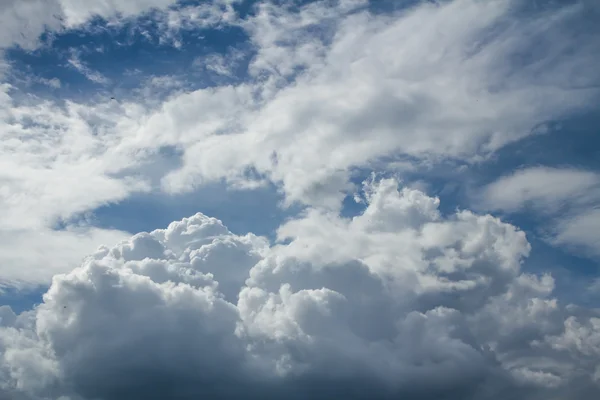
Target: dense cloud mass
{"points": [[400, 301]]}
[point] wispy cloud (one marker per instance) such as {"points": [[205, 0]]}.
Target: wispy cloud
{"points": [[565, 199], [86, 71], [545, 189]]}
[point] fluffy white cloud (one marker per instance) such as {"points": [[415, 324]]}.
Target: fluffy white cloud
{"points": [[77, 12], [398, 301]]}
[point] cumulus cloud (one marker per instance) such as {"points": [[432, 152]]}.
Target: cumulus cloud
{"points": [[23, 21], [397, 301]]}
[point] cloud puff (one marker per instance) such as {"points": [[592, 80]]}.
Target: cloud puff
{"points": [[398, 301]]}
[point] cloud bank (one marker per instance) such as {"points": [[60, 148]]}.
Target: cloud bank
{"points": [[399, 301]]}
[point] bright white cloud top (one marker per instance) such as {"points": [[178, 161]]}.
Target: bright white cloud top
{"points": [[383, 287]]}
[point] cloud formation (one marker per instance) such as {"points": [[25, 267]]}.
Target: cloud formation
{"points": [[330, 87], [397, 301], [567, 199], [544, 189], [403, 300], [340, 91]]}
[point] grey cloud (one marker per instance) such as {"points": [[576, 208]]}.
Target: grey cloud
{"points": [[413, 306]]}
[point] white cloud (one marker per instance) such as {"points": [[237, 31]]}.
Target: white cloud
{"points": [[432, 82], [54, 82], [567, 198], [219, 64], [333, 88], [23, 21], [396, 301], [86, 71], [60, 161], [52, 170], [77, 12], [580, 232], [545, 189], [30, 256]]}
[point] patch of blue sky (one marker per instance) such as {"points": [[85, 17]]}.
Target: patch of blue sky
{"points": [[21, 299], [574, 142], [126, 55], [242, 211]]}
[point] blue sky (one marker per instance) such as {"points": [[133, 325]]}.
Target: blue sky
{"points": [[120, 119]]}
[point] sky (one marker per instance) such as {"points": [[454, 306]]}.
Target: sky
{"points": [[299, 199]]}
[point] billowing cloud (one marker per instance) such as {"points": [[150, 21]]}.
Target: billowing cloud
{"points": [[397, 301]]}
